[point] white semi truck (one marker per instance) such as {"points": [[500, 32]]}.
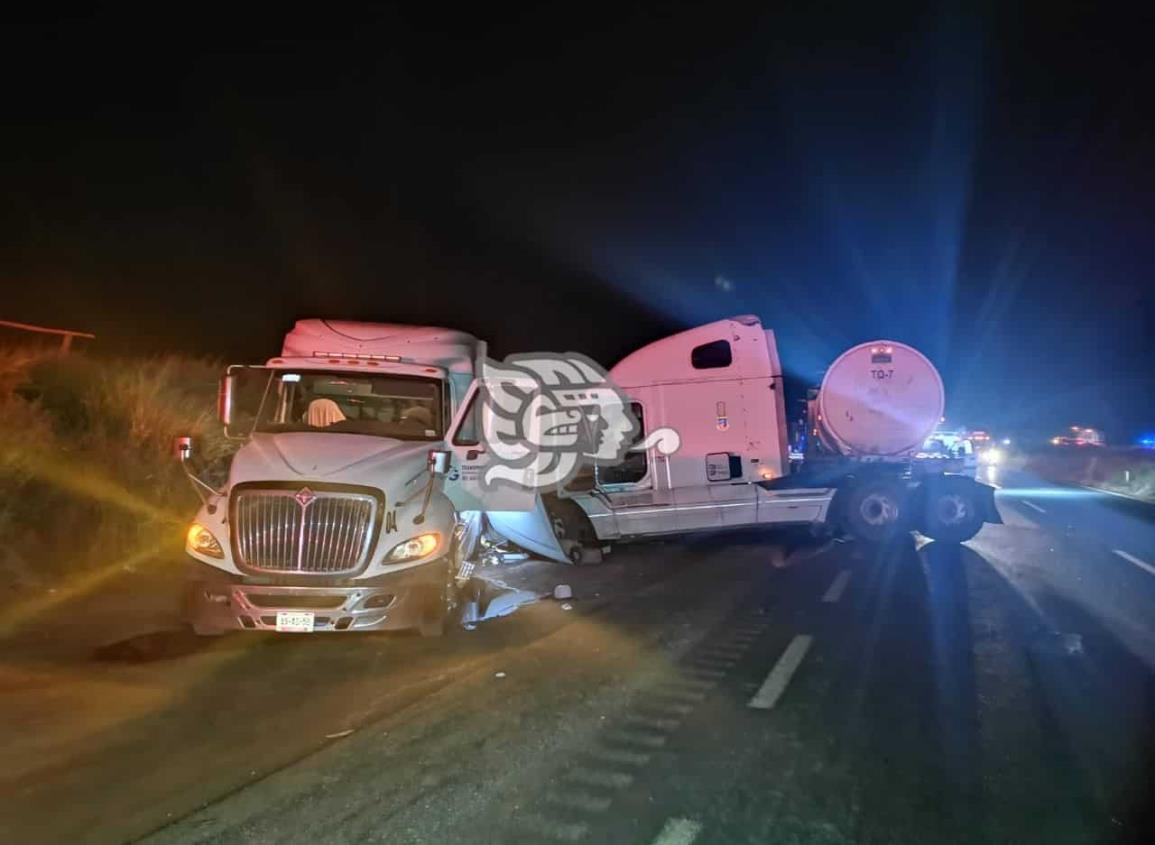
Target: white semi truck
{"points": [[338, 513], [342, 510], [720, 387]]}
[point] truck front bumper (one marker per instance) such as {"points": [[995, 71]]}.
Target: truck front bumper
{"points": [[216, 601]]}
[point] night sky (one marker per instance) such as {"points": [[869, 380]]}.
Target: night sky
{"points": [[977, 181]]}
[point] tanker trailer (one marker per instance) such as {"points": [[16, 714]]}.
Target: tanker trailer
{"points": [[877, 404]]}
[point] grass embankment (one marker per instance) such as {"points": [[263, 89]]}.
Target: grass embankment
{"points": [[87, 481], [1129, 471]]}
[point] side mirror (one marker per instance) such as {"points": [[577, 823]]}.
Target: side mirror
{"points": [[225, 399], [439, 462], [182, 448]]}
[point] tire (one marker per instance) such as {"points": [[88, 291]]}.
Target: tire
{"points": [[876, 511], [950, 510], [442, 607], [206, 633], [188, 613], [572, 529]]}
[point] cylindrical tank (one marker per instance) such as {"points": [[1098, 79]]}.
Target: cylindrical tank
{"points": [[879, 398]]}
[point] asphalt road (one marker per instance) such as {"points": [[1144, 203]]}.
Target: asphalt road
{"points": [[695, 692]]}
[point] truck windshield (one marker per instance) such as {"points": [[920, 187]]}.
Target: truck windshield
{"points": [[404, 407]]}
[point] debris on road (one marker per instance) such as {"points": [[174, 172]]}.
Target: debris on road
{"points": [[499, 674], [567, 606], [339, 734], [562, 592]]}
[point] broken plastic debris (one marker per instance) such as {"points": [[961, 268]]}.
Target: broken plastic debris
{"points": [[499, 674], [562, 592], [567, 606], [339, 734]]}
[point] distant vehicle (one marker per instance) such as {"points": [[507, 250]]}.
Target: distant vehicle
{"points": [[1077, 436]]}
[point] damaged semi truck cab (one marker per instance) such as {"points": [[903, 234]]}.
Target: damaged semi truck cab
{"points": [[341, 505], [720, 386]]}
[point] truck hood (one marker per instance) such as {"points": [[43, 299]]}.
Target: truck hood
{"points": [[356, 458], [394, 466]]}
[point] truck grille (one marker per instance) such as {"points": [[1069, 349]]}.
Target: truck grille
{"points": [[302, 530]]}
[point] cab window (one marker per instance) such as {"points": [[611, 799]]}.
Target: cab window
{"points": [[635, 465]]}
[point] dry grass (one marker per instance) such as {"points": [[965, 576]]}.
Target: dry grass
{"points": [[1130, 471], [86, 473]]}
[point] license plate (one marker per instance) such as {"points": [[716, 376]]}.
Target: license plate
{"points": [[294, 621]]}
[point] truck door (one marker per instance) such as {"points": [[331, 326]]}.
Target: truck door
{"points": [[638, 489], [515, 513], [465, 482]]}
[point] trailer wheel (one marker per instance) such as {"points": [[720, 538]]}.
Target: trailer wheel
{"points": [[876, 511], [951, 510]]}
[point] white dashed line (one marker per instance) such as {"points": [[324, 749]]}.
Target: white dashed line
{"points": [[1033, 506], [838, 587], [678, 832], [1142, 564], [600, 777], [775, 683], [642, 739], [585, 802], [621, 756], [654, 723]]}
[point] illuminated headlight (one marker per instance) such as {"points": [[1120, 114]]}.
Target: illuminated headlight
{"points": [[420, 546], [991, 456], [202, 541]]}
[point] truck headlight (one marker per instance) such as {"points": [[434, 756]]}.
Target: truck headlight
{"points": [[422, 545], [991, 457], [202, 541]]}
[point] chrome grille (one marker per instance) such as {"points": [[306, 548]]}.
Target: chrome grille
{"points": [[302, 531]]}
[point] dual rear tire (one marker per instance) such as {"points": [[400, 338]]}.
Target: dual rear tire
{"points": [[946, 509]]}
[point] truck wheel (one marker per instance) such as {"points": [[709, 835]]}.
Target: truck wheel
{"points": [[444, 604], [876, 511], [572, 529], [950, 511], [189, 615]]}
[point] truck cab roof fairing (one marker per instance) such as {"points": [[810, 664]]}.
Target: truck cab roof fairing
{"points": [[670, 359], [456, 351]]}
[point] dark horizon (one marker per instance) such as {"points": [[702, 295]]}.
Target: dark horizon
{"points": [[975, 182]]}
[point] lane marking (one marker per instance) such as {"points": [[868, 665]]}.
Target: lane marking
{"points": [[725, 651], [654, 723], [586, 802], [838, 587], [680, 697], [1142, 564], [704, 672], [775, 683], [622, 756], [642, 739], [1033, 505], [600, 777], [678, 832]]}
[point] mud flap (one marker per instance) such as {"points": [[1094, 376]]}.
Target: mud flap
{"points": [[986, 504], [532, 530]]}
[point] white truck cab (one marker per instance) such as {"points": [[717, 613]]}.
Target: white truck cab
{"points": [[340, 509], [720, 387]]}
